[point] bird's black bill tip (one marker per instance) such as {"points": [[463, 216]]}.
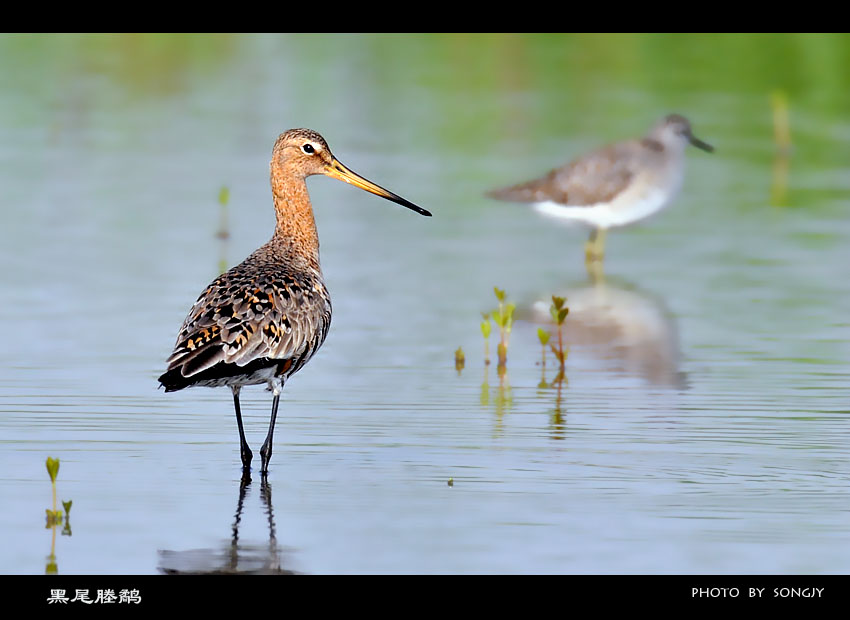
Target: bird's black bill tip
{"points": [[705, 146], [413, 207], [404, 202]]}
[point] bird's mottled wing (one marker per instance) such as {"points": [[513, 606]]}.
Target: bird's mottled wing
{"points": [[246, 314], [596, 177]]}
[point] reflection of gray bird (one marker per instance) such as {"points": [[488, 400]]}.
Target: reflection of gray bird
{"points": [[262, 320], [625, 325], [615, 185]]}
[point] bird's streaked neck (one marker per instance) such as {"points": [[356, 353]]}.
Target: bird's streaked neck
{"points": [[296, 225]]}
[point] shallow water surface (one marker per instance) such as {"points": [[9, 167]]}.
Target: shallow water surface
{"points": [[702, 425]]}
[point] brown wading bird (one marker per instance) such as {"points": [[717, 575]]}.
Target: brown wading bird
{"points": [[262, 320], [614, 186]]}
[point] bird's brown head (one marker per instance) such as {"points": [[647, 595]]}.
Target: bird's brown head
{"points": [[303, 152]]}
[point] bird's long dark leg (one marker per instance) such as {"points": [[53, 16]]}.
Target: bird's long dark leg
{"points": [[244, 450], [266, 449]]}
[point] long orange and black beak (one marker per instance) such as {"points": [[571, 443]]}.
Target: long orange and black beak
{"points": [[338, 171]]}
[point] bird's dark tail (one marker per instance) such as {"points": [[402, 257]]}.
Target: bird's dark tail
{"points": [[172, 380]]}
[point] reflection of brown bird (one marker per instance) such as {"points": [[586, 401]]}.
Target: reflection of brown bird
{"points": [[235, 557], [262, 320], [615, 185]]}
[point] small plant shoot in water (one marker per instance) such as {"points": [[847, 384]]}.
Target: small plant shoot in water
{"points": [[52, 468], [503, 318], [543, 336], [223, 195], [559, 314], [54, 516], [460, 360], [486, 328]]}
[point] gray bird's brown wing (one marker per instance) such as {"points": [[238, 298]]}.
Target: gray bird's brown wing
{"points": [[251, 312], [596, 177]]}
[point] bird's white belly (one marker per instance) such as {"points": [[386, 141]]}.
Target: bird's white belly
{"points": [[639, 200], [619, 212]]}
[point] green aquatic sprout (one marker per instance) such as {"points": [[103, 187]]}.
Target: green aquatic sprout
{"points": [[543, 336], [460, 359], [223, 195], [559, 312], [52, 470], [66, 529], [505, 325], [503, 317], [486, 328], [53, 516]]}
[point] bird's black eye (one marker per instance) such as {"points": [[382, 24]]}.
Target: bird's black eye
{"points": [[308, 148]]}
